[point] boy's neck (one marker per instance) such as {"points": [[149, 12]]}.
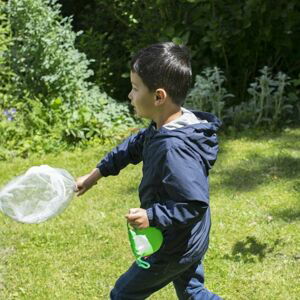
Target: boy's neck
{"points": [[168, 116]]}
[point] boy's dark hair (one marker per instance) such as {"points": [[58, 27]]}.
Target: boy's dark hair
{"points": [[167, 66]]}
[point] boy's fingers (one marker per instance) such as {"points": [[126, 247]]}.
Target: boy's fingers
{"points": [[131, 217], [131, 223], [133, 210], [135, 223], [132, 214], [81, 191]]}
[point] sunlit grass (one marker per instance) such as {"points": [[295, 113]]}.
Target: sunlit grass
{"points": [[255, 242]]}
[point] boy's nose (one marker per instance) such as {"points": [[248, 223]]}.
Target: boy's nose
{"points": [[129, 96]]}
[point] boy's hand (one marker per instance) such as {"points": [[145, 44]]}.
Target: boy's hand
{"points": [[137, 217], [84, 183]]}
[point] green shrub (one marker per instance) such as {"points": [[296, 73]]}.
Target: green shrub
{"points": [[270, 103], [52, 105], [51, 65], [237, 36], [6, 73], [43, 54], [29, 127], [208, 93]]}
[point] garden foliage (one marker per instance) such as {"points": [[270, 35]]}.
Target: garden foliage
{"points": [[269, 101], [53, 79], [240, 37], [51, 104], [5, 71], [209, 93]]}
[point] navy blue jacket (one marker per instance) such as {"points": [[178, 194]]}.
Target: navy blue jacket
{"points": [[174, 189]]}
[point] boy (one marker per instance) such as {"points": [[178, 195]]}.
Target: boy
{"points": [[177, 149]]}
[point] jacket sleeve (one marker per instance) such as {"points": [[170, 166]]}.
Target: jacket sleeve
{"points": [[130, 151], [185, 183]]}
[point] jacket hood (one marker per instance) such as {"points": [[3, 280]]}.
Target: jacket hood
{"points": [[200, 136]]}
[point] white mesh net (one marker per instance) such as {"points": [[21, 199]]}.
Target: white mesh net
{"points": [[39, 194]]}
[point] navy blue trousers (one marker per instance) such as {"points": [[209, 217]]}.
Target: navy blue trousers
{"points": [[138, 283]]}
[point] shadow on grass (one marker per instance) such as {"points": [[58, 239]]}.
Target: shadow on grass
{"points": [[250, 250], [255, 170], [132, 190], [287, 214], [288, 136]]}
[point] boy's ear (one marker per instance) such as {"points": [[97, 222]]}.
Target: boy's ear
{"points": [[160, 96]]}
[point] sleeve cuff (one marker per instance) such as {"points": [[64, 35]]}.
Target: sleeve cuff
{"points": [[104, 172], [150, 216]]}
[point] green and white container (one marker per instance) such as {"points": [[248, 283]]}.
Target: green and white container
{"points": [[144, 242]]}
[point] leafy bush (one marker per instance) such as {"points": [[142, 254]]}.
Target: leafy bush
{"points": [[51, 65], [269, 104], [208, 93], [237, 36], [52, 105], [268, 99], [43, 53], [31, 127], [21, 133], [6, 73]]}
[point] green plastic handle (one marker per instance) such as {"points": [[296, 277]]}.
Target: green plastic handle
{"points": [[143, 264]]}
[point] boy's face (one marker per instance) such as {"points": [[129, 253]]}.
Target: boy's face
{"points": [[141, 98]]}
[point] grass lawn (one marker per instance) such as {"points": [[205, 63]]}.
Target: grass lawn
{"points": [[255, 239]]}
